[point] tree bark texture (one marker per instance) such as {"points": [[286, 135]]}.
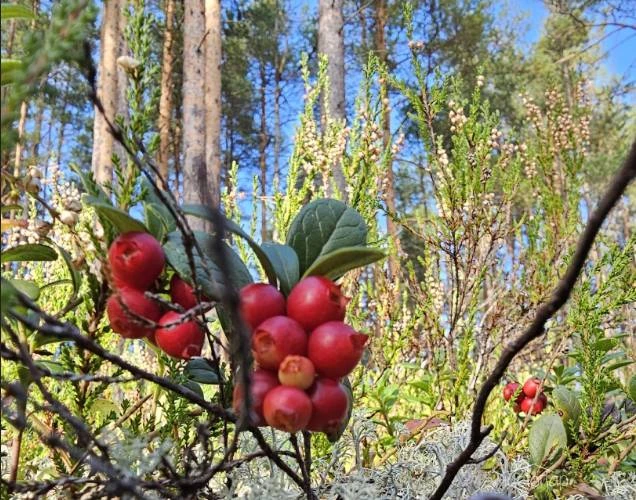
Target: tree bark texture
{"points": [[166, 98]]}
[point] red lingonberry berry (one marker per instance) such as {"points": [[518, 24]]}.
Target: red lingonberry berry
{"points": [[260, 301], [316, 300], [183, 294], [178, 338], [136, 260], [531, 387], [276, 338], [123, 307], [297, 371], [335, 349], [329, 405], [510, 389], [531, 407], [261, 382], [287, 408]]}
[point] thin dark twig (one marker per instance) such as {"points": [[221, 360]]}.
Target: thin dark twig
{"points": [[560, 295]]}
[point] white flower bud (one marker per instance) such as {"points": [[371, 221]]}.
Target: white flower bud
{"points": [[69, 218]]}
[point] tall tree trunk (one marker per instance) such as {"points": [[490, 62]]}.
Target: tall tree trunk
{"points": [[37, 129], [382, 52], [331, 44], [165, 100], [196, 182], [213, 61], [107, 92], [262, 150]]}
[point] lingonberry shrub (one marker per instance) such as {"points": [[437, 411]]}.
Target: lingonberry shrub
{"points": [[136, 260], [275, 339], [287, 408], [127, 308], [316, 300], [260, 301], [261, 382], [335, 349], [297, 371], [329, 402], [179, 338]]}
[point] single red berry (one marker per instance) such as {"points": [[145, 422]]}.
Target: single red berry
{"points": [[123, 321], [182, 340], [335, 349], [297, 371], [183, 294], [287, 408], [531, 387], [275, 339], [316, 300], [260, 301], [529, 407], [329, 402], [261, 382], [510, 389], [136, 260]]}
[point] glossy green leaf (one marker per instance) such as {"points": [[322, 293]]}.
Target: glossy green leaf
{"points": [[201, 371], [28, 288], [546, 436], [566, 401], [194, 387], [155, 222], [15, 11], [322, 227], [206, 213], [119, 219], [335, 264], [29, 252], [285, 262]]}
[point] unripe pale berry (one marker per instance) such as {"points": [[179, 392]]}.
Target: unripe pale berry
{"points": [[297, 371], [316, 300], [182, 340], [136, 260], [124, 322]]}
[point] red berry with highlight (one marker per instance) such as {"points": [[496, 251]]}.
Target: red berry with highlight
{"points": [[261, 382], [287, 408], [316, 300], [124, 322], [275, 339], [329, 402], [531, 387], [297, 371], [531, 407], [335, 349], [136, 260], [182, 340], [182, 293], [260, 301]]}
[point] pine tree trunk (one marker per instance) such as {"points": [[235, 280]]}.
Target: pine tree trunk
{"points": [[331, 44], [213, 61], [262, 150], [107, 92], [196, 184], [381, 50], [166, 98]]}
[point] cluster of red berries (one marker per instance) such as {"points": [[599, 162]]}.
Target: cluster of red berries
{"points": [[302, 349], [136, 260], [527, 400]]}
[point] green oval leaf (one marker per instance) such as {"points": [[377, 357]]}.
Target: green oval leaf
{"points": [[15, 11], [631, 388], [335, 264], [322, 227], [30, 252], [285, 262], [9, 69], [206, 213], [201, 371], [119, 219], [155, 222], [547, 435], [28, 288], [566, 401]]}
